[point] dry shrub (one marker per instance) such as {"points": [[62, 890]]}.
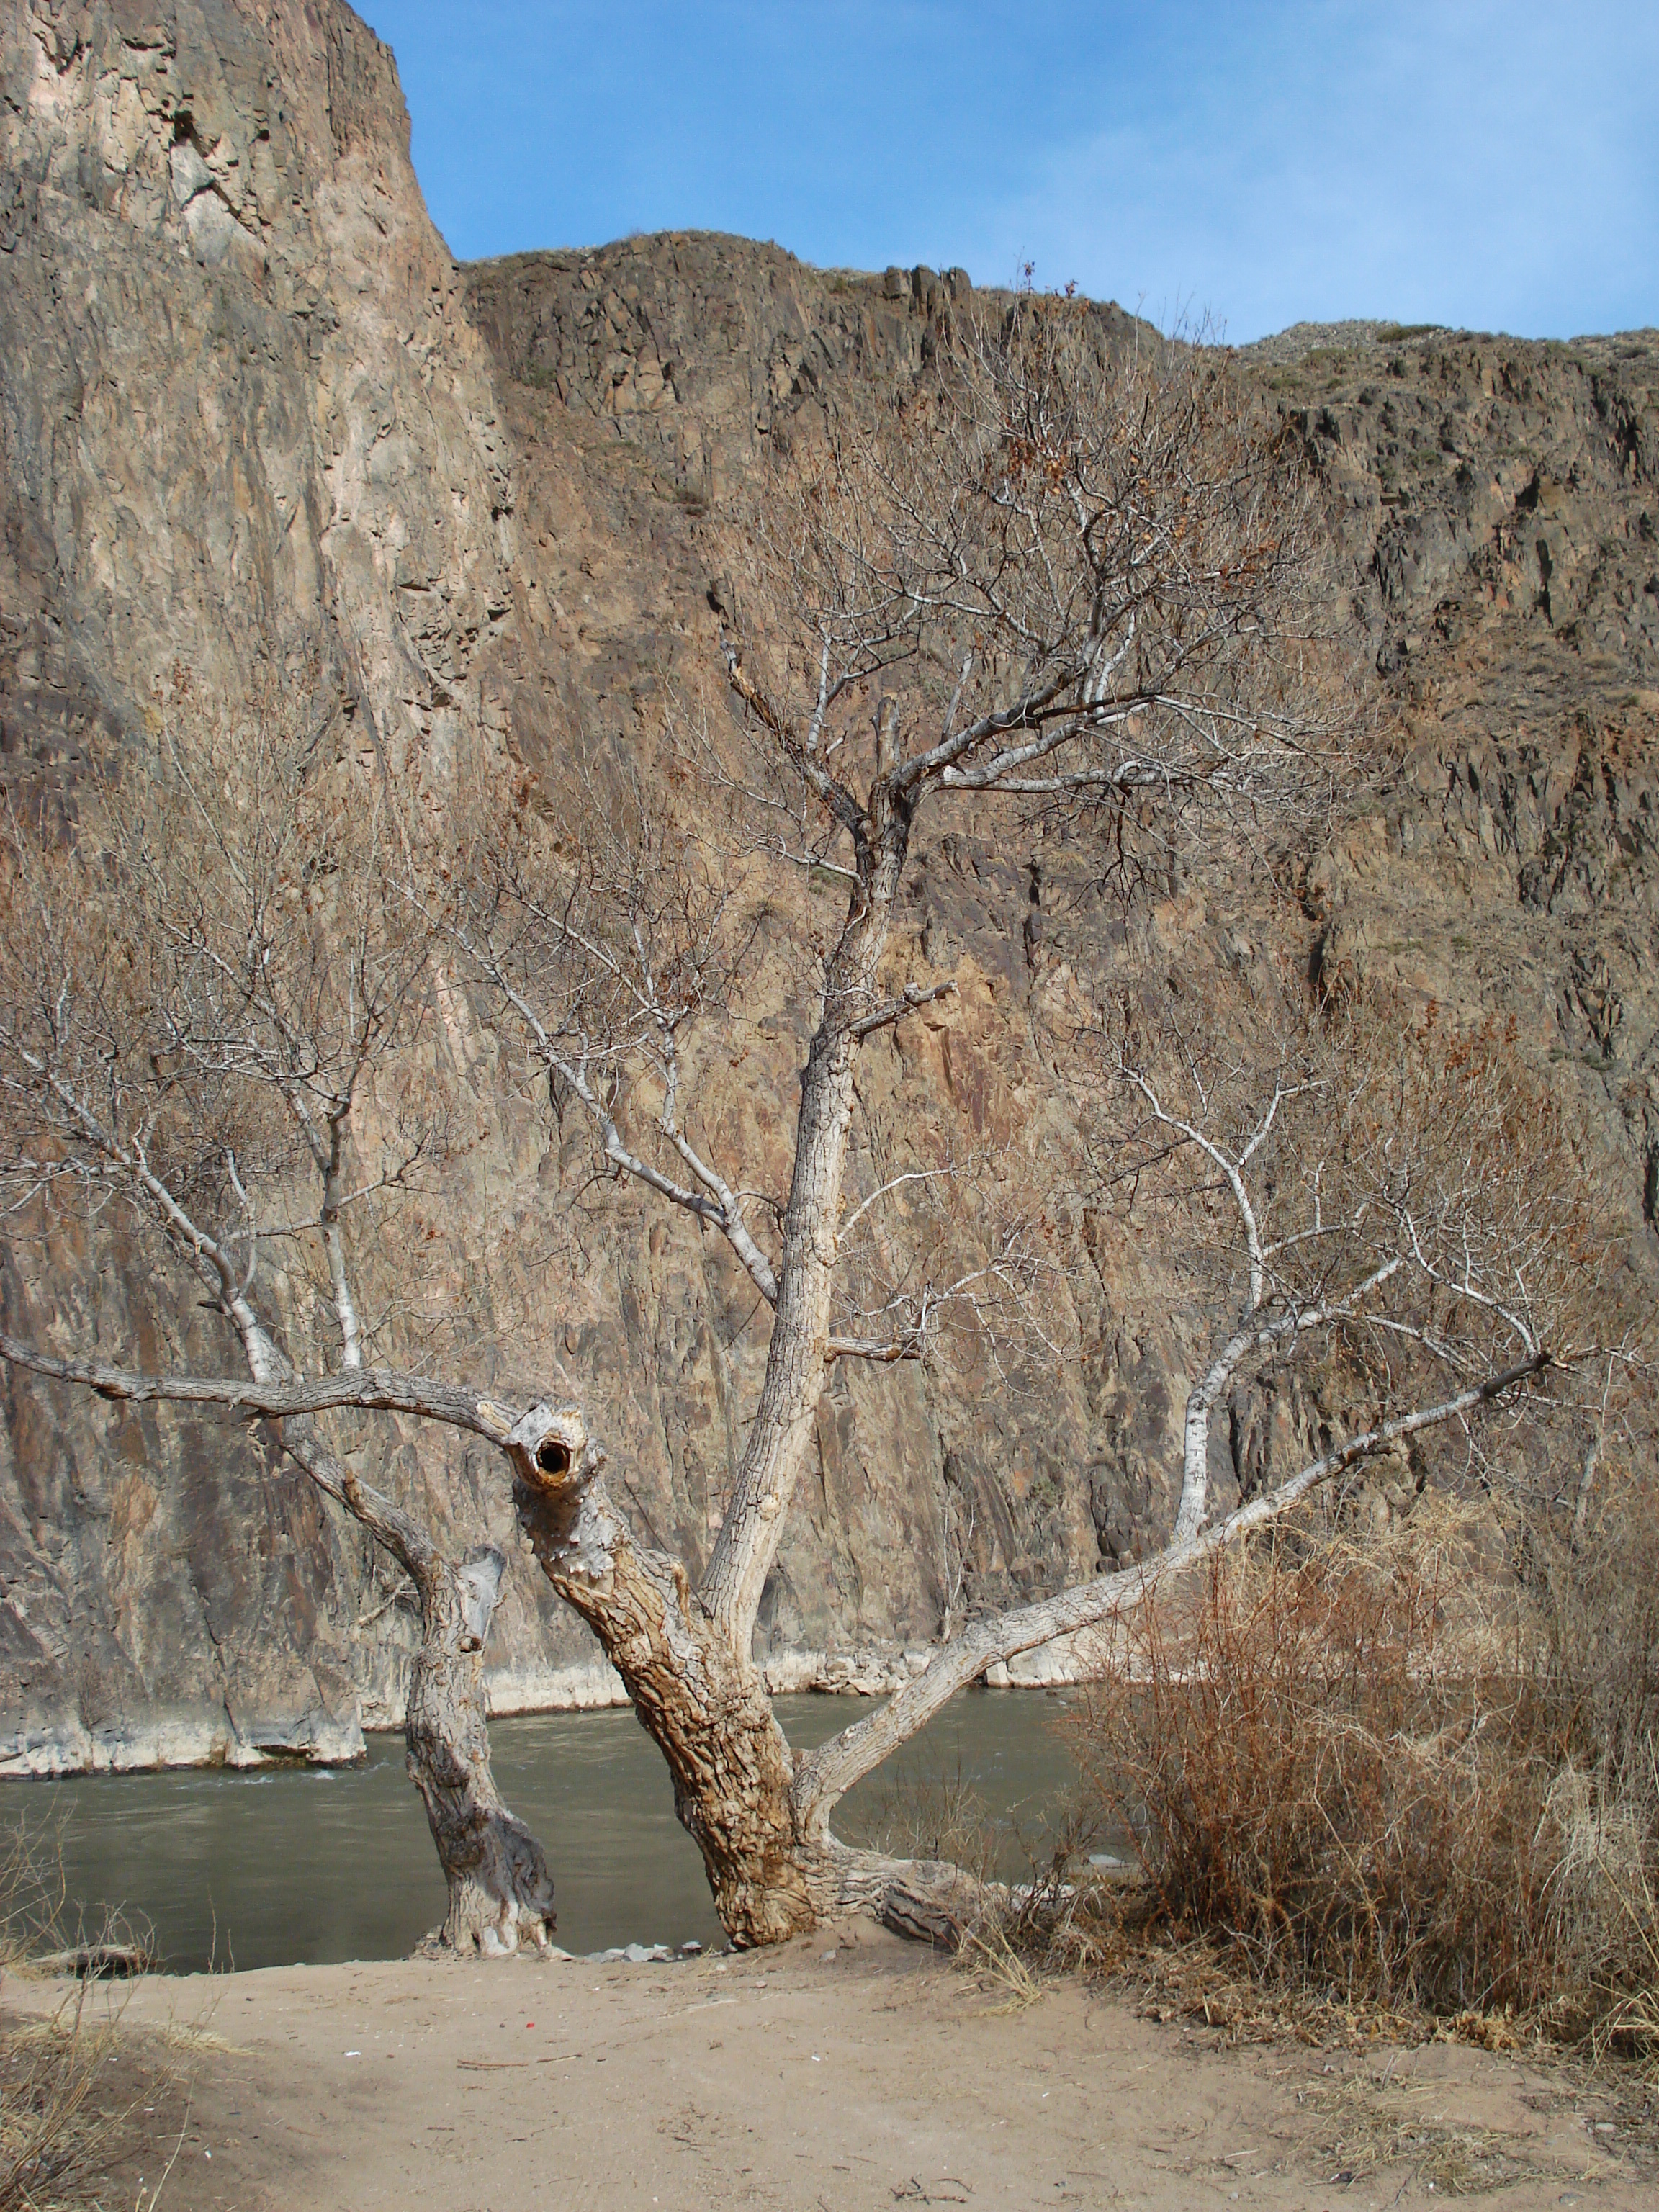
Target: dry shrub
{"points": [[53, 2133], [1593, 1587], [1368, 1791]]}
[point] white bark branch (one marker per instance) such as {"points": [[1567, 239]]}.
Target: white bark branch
{"points": [[824, 1776], [722, 1211], [896, 1009], [367, 1389]]}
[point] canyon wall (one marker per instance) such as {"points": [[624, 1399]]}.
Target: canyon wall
{"points": [[249, 407]]}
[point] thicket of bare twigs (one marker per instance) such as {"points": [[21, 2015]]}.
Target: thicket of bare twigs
{"points": [[1396, 1753], [1358, 1773], [53, 2133], [1055, 578]]}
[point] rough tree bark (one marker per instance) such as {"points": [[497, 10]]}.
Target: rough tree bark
{"points": [[772, 1872], [501, 1895], [705, 1707], [500, 1891]]}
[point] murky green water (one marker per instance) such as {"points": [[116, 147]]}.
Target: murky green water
{"points": [[272, 1868]]}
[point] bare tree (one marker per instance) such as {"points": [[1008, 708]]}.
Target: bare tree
{"points": [[204, 987], [1051, 577]]}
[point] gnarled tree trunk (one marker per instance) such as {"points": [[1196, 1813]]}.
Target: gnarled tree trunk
{"points": [[685, 1655], [705, 1707], [773, 1865], [500, 1894]]}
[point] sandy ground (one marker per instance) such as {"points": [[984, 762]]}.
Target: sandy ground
{"points": [[849, 2072]]}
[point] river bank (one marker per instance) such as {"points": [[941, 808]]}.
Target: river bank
{"points": [[39, 1745], [847, 2071]]}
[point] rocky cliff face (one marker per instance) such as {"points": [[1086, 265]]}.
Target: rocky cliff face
{"points": [[244, 410], [1498, 502], [250, 405]]}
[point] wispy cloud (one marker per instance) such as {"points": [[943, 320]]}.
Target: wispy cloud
{"points": [[1494, 165]]}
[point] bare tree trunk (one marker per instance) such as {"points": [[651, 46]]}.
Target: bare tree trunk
{"points": [[500, 1894], [685, 1657], [782, 1433], [705, 1707], [773, 1867]]}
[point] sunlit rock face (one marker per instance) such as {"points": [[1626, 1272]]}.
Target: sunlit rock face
{"points": [[244, 410], [251, 405]]}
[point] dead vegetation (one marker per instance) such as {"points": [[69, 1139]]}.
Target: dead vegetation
{"points": [[61, 2124], [1372, 1793], [1363, 2125], [1388, 1767], [94, 2111], [54, 2131]]}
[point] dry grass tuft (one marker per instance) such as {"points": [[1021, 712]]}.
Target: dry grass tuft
{"points": [[178, 2035], [991, 1955], [55, 2133], [51, 2133], [1331, 1763], [1362, 2126]]}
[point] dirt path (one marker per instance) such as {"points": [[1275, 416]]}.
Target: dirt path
{"points": [[849, 2072]]}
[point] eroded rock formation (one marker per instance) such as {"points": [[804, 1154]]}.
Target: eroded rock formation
{"points": [[250, 402]]}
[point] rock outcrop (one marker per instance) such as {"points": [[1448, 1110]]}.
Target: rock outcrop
{"points": [[244, 410], [248, 405]]}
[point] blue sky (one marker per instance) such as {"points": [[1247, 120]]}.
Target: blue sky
{"points": [[1491, 163]]}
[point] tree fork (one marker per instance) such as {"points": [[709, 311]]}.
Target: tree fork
{"points": [[704, 1703]]}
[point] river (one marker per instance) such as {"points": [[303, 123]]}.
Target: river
{"points": [[314, 1864]]}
